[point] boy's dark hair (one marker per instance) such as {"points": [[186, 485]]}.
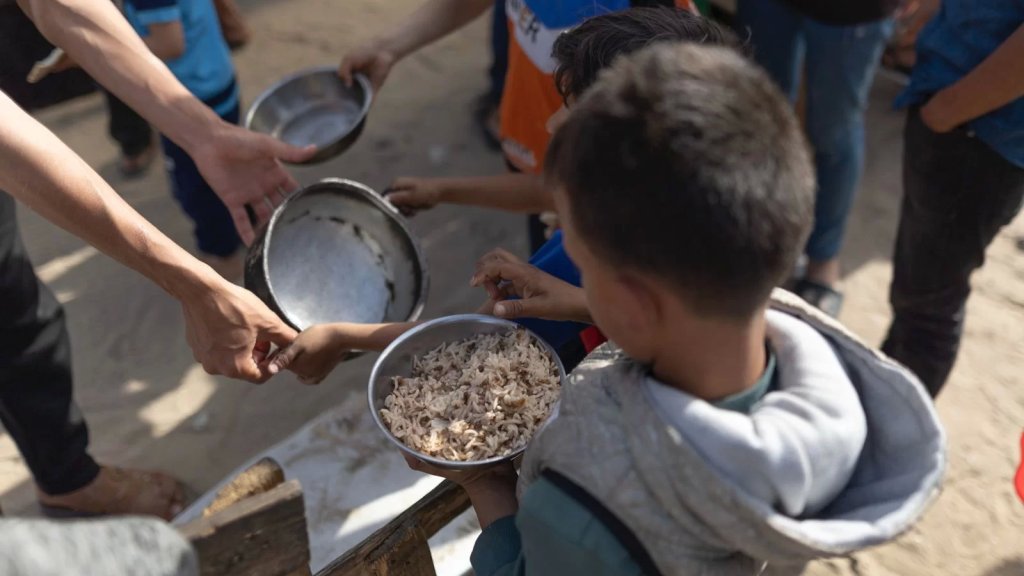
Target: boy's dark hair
{"points": [[585, 50], [686, 162]]}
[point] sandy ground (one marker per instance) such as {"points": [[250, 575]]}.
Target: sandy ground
{"points": [[150, 405]]}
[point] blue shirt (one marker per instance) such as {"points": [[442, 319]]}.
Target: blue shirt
{"points": [[205, 67], [551, 258], [958, 38]]}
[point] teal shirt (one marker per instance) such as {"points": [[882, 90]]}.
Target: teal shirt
{"points": [[555, 534]]}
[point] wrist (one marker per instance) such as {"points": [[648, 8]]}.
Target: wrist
{"points": [[202, 131], [939, 113], [391, 47]]}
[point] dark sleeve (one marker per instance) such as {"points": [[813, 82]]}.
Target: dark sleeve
{"points": [[149, 12], [555, 533]]}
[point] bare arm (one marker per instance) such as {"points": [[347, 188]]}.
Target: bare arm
{"points": [[434, 19], [100, 40], [166, 40], [228, 328], [242, 167], [997, 81], [320, 348], [511, 192]]}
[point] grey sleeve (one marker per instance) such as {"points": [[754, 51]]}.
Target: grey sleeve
{"points": [[106, 547]]}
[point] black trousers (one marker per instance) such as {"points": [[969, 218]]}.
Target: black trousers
{"points": [[958, 193], [35, 371], [131, 131]]}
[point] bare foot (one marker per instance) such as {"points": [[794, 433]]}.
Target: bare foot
{"points": [[119, 491]]}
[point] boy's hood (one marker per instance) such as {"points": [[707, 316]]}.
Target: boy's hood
{"points": [[691, 516], [895, 478]]}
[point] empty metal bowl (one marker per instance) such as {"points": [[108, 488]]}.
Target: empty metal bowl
{"points": [[337, 252], [397, 359], [313, 106]]}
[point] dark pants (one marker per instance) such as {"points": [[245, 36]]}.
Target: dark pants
{"points": [[35, 371], [131, 131], [958, 193], [214, 228], [499, 51]]}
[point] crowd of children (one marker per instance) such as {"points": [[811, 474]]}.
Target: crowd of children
{"points": [[721, 427], [712, 423]]}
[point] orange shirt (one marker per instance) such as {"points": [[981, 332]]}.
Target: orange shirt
{"points": [[530, 97]]}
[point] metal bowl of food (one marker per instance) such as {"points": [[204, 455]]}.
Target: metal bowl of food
{"points": [[398, 359], [337, 252], [313, 106]]}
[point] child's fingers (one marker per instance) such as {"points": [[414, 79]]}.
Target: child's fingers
{"points": [[283, 359], [400, 198], [400, 183]]}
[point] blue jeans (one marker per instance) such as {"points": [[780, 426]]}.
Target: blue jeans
{"points": [[840, 63], [214, 228]]}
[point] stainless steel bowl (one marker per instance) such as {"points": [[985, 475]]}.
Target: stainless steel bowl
{"points": [[313, 107], [396, 360], [337, 252]]}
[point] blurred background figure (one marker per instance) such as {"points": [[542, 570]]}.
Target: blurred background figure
{"points": [[835, 48]]}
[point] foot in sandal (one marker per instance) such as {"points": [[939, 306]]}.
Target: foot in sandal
{"points": [[117, 491]]}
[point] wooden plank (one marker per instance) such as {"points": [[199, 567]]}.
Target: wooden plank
{"points": [[425, 517], [264, 535], [406, 553]]}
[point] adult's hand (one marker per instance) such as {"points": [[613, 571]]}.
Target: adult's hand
{"points": [[231, 331], [244, 169], [371, 59], [519, 290]]}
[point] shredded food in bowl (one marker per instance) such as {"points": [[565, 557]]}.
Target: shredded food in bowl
{"points": [[474, 399]]}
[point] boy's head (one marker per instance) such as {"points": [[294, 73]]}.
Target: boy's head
{"points": [[583, 51], [681, 178]]}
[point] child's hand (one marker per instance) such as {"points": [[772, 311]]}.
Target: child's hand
{"points": [[373, 59], [313, 354], [540, 295], [410, 195], [491, 490]]}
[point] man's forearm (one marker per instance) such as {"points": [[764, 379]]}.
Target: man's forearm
{"points": [[41, 172], [431, 21], [997, 81], [512, 192], [99, 39]]}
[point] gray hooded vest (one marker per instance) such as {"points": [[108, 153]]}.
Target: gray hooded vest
{"points": [[693, 520]]}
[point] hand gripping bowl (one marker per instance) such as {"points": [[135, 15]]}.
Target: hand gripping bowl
{"points": [[313, 106], [337, 252], [397, 359]]}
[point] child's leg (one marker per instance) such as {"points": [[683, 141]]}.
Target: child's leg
{"points": [[214, 229]]}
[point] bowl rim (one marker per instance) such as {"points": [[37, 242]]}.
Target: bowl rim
{"points": [[363, 81], [425, 327], [377, 200]]}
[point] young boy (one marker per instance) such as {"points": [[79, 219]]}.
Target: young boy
{"points": [[186, 35], [722, 429]]}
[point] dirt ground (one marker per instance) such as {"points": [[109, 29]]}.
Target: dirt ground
{"points": [[148, 404]]}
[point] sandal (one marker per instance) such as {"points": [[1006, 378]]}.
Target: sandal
{"points": [[824, 298]]}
